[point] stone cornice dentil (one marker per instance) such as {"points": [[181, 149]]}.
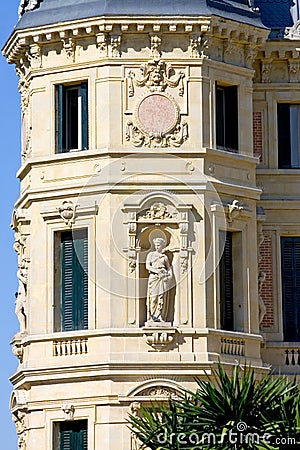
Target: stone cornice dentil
{"points": [[200, 28]]}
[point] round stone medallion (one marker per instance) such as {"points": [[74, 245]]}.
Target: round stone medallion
{"points": [[157, 113]]}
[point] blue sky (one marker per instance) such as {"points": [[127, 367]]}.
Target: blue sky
{"points": [[10, 161]]}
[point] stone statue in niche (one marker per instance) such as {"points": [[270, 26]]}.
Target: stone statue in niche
{"points": [[20, 303], [160, 274]]}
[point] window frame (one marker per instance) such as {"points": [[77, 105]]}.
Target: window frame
{"points": [[288, 135], [64, 133], [65, 308], [227, 114], [289, 331]]}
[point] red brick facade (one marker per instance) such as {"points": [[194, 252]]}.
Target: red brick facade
{"points": [[257, 135], [266, 265]]}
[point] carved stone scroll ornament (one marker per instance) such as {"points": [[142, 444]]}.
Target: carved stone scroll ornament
{"points": [[157, 77], [157, 140], [67, 211]]}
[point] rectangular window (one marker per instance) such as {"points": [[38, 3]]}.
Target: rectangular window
{"points": [[226, 281], [227, 117], [71, 107], [288, 135], [71, 284], [232, 309], [71, 435], [290, 260]]}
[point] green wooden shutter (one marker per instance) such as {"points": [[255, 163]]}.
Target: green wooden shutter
{"points": [[60, 116], [73, 435], [74, 280], [84, 115], [226, 281], [291, 288], [284, 135]]}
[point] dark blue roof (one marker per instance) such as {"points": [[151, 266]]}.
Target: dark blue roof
{"points": [[276, 13], [49, 12]]}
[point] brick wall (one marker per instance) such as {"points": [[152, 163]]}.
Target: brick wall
{"points": [[257, 135], [266, 265]]}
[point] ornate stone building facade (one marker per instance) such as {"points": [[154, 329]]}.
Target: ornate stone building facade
{"points": [[157, 228]]}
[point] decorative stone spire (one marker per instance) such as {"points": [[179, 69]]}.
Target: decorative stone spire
{"points": [[28, 5]]}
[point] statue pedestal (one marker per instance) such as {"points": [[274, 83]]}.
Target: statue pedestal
{"points": [[157, 324], [159, 335]]}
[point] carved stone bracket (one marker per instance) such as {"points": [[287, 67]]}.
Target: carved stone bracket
{"points": [[67, 211], [115, 46], [159, 337], [102, 44], [293, 65], [234, 210], [34, 56], [155, 46], [198, 46], [69, 47], [266, 66], [17, 347], [68, 410]]}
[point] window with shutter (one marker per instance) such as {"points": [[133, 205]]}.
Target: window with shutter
{"points": [[290, 251], [288, 118], [71, 106], [226, 281], [73, 435], [227, 117], [74, 281]]}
